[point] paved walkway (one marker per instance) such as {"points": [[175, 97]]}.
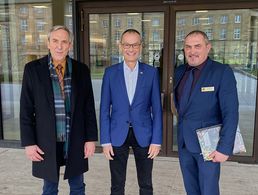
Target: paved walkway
{"points": [[16, 179]]}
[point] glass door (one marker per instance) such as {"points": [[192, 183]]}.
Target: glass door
{"points": [[102, 31], [105, 31], [233, 35], [232, 32]]}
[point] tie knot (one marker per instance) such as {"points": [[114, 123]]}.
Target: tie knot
{"points": [[59, 67], [191, 68]]}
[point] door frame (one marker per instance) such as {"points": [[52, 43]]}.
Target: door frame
{"points": [[217, 6], [82, 9], [85, 10]]}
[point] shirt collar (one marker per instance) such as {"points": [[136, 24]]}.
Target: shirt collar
{"points": [[199, 67], [126, 67], [62, 63]]}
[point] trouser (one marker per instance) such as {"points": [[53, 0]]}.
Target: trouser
{"points": [[76, 184], [200, 177], [118, 166]]}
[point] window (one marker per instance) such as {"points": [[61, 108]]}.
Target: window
{"points": [[236, 53], [117, 23], [209, 33], [180, 35], [236, 33], [155, 22], [195, 21], [24, 25], [224, 19], [156, 36], [24, 10], [70, 24], [40, 25], [129, 22], [38, 10], [117, 35], [23, 39], [41, 40], [181, 22], [223, 34], [105, 24], [210, 20], [70, 8], [237, 19]]}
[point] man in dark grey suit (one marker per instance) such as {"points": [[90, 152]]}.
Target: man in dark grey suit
{"points": [[57, 115]]}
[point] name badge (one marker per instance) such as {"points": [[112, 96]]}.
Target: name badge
{"points": [[207, 89]]}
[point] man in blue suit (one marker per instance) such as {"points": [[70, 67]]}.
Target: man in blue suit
{"points": [[131, 115], [212, 100]]}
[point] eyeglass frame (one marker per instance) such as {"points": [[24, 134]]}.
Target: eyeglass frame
{"points": [[128, 46]]}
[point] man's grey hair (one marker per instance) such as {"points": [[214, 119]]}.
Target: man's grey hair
{"points": [[60, 27]]}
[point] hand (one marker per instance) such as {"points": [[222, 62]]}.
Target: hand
{"points": [[89, 149], [34, 153], [218, 157], [153, 151], [108, 152]]}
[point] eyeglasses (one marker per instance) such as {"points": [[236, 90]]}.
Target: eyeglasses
{"points": [[134, 46]]}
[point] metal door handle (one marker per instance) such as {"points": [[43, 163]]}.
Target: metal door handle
{"points": [[172, 105]]}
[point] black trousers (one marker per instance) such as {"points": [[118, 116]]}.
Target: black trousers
{"points": [[118, 166]]}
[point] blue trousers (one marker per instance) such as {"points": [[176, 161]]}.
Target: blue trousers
{"points": [[200, 177], [77, 186]]}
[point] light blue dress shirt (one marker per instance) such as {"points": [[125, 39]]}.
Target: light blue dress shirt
{"points": [[131, 77]]}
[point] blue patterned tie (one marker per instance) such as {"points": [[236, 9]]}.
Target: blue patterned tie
{"points": [[186, 92]]}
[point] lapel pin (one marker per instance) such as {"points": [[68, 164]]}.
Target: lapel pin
{"points": [[141, 72]]}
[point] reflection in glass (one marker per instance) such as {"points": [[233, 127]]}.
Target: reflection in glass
{"points": [[23, 37], [23, 34], [233, 35]]}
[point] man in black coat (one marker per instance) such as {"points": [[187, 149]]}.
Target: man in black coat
{"points": [[57, 115]]}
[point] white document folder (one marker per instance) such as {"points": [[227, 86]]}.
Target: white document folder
{"points": [[209, 137]]}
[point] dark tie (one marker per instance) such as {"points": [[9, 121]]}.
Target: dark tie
{"points": [[60, 77], [186, 92]]}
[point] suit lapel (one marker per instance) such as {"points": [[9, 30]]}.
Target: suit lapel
{"points": [[140, 81], [44, 76], [121, 78], [178, 79]]}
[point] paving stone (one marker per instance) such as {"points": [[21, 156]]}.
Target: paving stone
{"points": [[16, 179]]}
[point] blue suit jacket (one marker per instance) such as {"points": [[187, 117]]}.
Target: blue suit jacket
{"points": [[208, 107], [145, 112]]}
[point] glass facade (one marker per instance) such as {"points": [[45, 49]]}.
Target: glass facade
{"points": [[24, 25], [233, 35], [105, 32], [23, 36]]}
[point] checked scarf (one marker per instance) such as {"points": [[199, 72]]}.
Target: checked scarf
{"points": [[62, 103]]}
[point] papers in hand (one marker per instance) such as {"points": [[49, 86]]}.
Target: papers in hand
{"points": [[209, 137]]}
